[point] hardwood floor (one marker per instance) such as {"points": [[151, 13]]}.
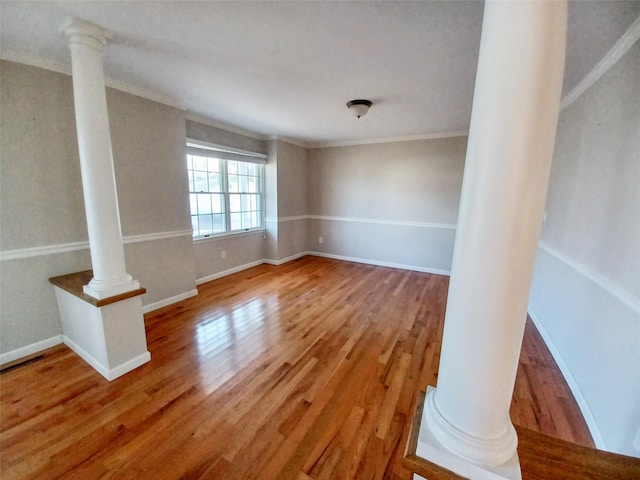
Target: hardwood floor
{"points": [[309, 370]]}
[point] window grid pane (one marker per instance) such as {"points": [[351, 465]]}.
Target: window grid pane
{"points": [[210, 195]]}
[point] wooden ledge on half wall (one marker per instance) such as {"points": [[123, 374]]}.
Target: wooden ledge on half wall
{"points": [[74, 283], [542, 457]]}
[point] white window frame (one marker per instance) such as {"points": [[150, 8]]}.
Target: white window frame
{"points": [[225, 154]]}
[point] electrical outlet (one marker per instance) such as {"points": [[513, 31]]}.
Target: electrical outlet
{"points": [[223, 254], [320, 239]]}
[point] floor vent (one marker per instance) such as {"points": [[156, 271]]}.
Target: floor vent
{"points": [[14, 366]]}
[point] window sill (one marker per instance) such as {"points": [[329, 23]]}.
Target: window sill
{"points": [[222, 236]]}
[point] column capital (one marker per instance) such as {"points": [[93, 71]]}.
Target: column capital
{"points": [[78, 30]]}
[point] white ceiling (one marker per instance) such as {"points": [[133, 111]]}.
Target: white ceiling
{"points": [[288, 68]]}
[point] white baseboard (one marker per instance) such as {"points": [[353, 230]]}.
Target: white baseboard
{"points": [[282, 261], [108, 373], [380, 263], [129, 365], [573, 386], [87, 357], [168, 301], [230, 271], [30, 349]]}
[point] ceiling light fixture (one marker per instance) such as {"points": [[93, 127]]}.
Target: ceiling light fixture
{"points": [[359, 107]]}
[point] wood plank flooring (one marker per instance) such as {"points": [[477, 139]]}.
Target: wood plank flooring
{"points": [[309, 370]]}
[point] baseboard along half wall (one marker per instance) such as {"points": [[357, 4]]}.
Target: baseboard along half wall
{"points": [[573, 386], [108, 373], [168, 301]]}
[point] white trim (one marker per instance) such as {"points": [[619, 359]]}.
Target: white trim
{"points": [[294, 218], [282, 261], [408, 138], [148, 237], [286, 219], [43, 250], [75, 246], [87, 357], [380, 263], [573, 385], [34, 60], [108, 373], [400, 223], [222, 236], [224, 273], [621, 294], [297, 143], [195, 117], [169, 301], [628, 39], [30, 349], [129, 365]]}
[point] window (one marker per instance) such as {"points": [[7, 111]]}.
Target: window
{"points": [[225, 189]]}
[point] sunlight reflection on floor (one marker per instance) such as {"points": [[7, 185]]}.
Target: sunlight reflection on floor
{"points": [[230, 339]]}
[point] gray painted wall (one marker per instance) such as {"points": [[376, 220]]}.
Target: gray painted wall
{"points": [[286, 185], [42, 206], [293, 166], [238, 250], [391, 203], [586, 289]]}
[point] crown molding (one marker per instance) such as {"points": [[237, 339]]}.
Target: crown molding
{"points": [[26, 58], [297, 143], [409, 138], [627, 40], [33, 60]]}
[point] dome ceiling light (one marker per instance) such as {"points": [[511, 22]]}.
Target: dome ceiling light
{"points": [[359, 107]]}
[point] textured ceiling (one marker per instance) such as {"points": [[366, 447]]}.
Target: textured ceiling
{"points": [[288, 68]]}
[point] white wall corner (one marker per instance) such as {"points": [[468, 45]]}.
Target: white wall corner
{"points": [[282, 261]]}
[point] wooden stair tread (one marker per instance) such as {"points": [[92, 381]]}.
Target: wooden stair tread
{"points": [[541, 456]]}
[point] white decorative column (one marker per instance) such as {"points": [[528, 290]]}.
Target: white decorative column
{"points": [[100, 310], [110, 277], [466, 426]]}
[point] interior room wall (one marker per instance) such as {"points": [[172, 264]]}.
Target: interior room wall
{"points": [[286, 202], [292, 200], [585, 297], [219, 256], [271, 202], [391, 203], [42, 223]]}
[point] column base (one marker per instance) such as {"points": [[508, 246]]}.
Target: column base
{"points": [[433, 451], [100, 289]]}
